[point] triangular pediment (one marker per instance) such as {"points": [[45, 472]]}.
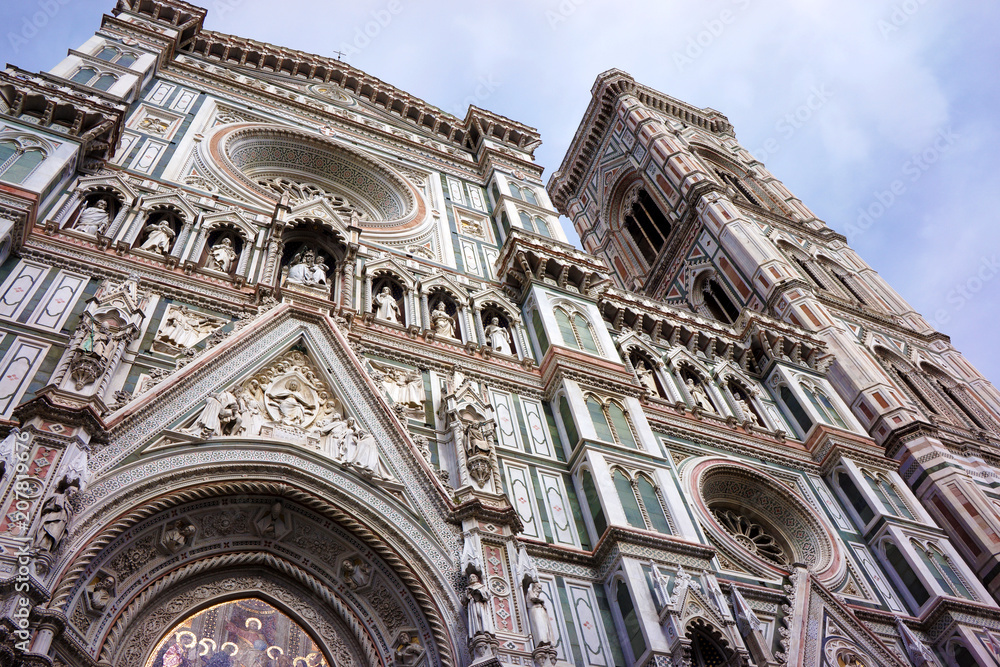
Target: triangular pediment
{"points": [[442, 281], [178, 201], [388, 263], [492, 295], [113, 181], [291, 377]]}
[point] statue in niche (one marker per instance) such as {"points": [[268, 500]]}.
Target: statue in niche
{"points": [[8, 452], [646, 378], [97, 339], [220, 416], [699, 396], [479, 618], [475, 440], [538, 616], [223, 255], [498, 337], [387, 309], [159, 237], [365, 457], [92, 219], [292, 404], [55, 515], [748, 414], [177, 534], [308, 268], [273, 524], [442, 323], [102, 593]]}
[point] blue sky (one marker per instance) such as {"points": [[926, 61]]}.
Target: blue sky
{"points": [[857, 105]]}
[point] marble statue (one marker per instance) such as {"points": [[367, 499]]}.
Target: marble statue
{"points": [[159, 237], [355, 572], [220, 416], [365, 457], [223, 255], [102, 593], [498, 337], [308, 268], [475, 440], [274, 523], [387, 309], [478, 615], [748, 413], [293, 406], [442, 323], [538, 617], [699, 396], [646, 378], [8, 452], [177, 534], [92, 219], [54, 517], [183, 328]]}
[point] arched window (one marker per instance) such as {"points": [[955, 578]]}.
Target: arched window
{"points": [[942, 570], [906, 574], [576, 331], [126, 59], [567, 419], [515, 191], [541, 227], [529, 195], [539, 329], [633, 628], [600, 420], [108, 53], [630, 504], [717, 301], [19, 164], [84, 75], [646, 225], [89, 76], [611, 423], [887, 494], [961, 655], [854, 496], [505, 222], [526, 221], [105, 81], [823, 406], [593, 503], [793, 405], [652, 502]]}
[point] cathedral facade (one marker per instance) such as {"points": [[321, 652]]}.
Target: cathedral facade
{"points": [[297, 369]]}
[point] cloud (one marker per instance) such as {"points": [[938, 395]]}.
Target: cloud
{"points": [[900, 72]]}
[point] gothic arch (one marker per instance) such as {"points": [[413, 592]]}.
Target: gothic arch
{"points": [[322, 520]]}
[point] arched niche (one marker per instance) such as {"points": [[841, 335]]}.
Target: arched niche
{"points": [[97, 208]]}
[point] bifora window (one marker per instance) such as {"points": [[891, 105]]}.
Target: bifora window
{"points": [[610, 422], [88, 76], [16, 164], [576, 330]]}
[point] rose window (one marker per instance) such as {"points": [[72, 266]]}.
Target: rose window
{"points": [[751, 536]]}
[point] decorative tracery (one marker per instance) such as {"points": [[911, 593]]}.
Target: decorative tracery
{"points": [[751, 536], [300, 191]]}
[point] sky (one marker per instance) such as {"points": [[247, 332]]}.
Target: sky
{"points": [[880, 115]]}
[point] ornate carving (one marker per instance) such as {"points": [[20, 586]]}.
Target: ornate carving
{"points": [[751, 536]]}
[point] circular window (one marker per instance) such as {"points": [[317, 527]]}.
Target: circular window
{"points": [[267, 162], [760, 516]]}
